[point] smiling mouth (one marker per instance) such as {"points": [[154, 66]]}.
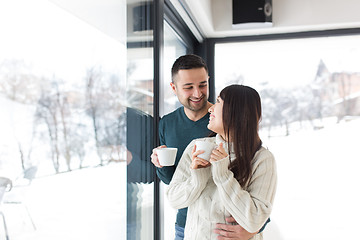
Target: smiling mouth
{"points": [[196, 101]]}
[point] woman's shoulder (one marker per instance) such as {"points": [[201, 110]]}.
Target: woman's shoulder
{"points": [[264, 154]]}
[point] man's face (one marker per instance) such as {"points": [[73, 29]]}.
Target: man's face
{"points": [[191, 88]]}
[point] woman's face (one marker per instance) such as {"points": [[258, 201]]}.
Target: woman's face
{"points": [[215, 122]]}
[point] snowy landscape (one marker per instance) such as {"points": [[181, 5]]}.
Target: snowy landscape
{"points": [[317, 192], [66, 116], [86, 204], [318, 176]]}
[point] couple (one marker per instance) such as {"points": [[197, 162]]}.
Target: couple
{"points": [[238, 184]]}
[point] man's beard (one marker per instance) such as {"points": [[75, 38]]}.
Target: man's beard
{"points": [[197, 108]]}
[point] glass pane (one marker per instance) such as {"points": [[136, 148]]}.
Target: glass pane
{"points": [[62, 89], [139, 103], [310, 92], [173, 48]]}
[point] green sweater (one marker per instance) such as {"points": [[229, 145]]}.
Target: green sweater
{"points": [[177, 130]]}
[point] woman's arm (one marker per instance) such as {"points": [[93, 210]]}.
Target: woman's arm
{"points": [[251, 207], [187, 184]]}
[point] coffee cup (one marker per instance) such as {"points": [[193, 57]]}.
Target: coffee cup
{"points": [[166, 156], [206, 146]]}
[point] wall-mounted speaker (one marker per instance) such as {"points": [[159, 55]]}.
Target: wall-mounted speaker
{"points": [[247, 12]]}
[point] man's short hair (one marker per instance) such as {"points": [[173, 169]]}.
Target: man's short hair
{"points": [[189, 61]]}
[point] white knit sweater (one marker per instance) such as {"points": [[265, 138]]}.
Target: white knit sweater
{"points": [[212, 194]]}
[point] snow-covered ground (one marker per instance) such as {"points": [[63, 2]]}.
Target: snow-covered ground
{"points": [[318, 176], [318, 184], [83, 204], [317, 195]]}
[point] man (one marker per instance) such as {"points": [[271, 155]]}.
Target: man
{"points": [[177, 129]]}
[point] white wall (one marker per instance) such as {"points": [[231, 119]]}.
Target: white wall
{"points": [[215, 16], [105, 15], [288, 16]]}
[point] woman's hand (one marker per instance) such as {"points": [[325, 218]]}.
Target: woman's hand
{"points": [[218, 153], [196, 161]]}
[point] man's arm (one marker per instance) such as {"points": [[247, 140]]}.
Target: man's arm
{"points": [[164, 173], [235, 232], [232, 232]]}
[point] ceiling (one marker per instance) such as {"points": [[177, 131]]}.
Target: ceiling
{"points": [[213, 18]]}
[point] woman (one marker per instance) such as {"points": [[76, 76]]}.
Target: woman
{"points": [[240, 179]]}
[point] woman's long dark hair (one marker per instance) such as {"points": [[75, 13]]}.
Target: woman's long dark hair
{"points": [[241, 116]]}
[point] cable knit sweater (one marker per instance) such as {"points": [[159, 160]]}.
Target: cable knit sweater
{"points": [[212, 193]]}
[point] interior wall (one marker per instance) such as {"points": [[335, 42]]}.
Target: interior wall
{"points": [[105, 15], [288, 16], [315, 12]]}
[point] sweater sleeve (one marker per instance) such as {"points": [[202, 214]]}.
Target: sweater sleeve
{"points": [[250, 207], [166, 172], [186, 184]]}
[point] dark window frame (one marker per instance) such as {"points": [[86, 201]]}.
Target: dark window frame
{"points": [[164, 11], [209, 44]]}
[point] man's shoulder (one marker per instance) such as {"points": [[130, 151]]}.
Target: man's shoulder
{"points": [[174, 114]]}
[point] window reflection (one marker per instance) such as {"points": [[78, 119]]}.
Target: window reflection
{"points": [[173, 48], [310, 92], [139, 121]]}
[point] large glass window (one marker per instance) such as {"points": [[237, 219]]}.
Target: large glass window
{"points": [[310, 90], [62, 143], [139, 120], [173, 48]]}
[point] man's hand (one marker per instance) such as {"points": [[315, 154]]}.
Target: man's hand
{"points": [[235, 232], [128, 157], [154, 157]]}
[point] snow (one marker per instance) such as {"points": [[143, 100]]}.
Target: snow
{"points": [[317, 192], [318, 176], [83, 204]]}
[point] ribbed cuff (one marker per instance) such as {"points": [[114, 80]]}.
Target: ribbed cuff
{"points": [[200, 175], [220, 169]]}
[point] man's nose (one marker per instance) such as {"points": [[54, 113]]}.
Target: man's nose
{"points": [[197, 93]]}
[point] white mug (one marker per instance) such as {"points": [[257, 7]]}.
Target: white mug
{"points": [[166, 156], [208, 147]]}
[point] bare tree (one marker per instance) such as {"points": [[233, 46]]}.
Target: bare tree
{"points": [[103, 104], [64, 112], [92, 76], [47, 111], [18, 83]]}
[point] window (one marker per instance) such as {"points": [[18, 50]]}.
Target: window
{"points": [[139, 121], [173, 48], [62, 94], [310, 90]]}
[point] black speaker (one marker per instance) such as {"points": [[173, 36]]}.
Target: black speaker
{"points": [[252, 11]]}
